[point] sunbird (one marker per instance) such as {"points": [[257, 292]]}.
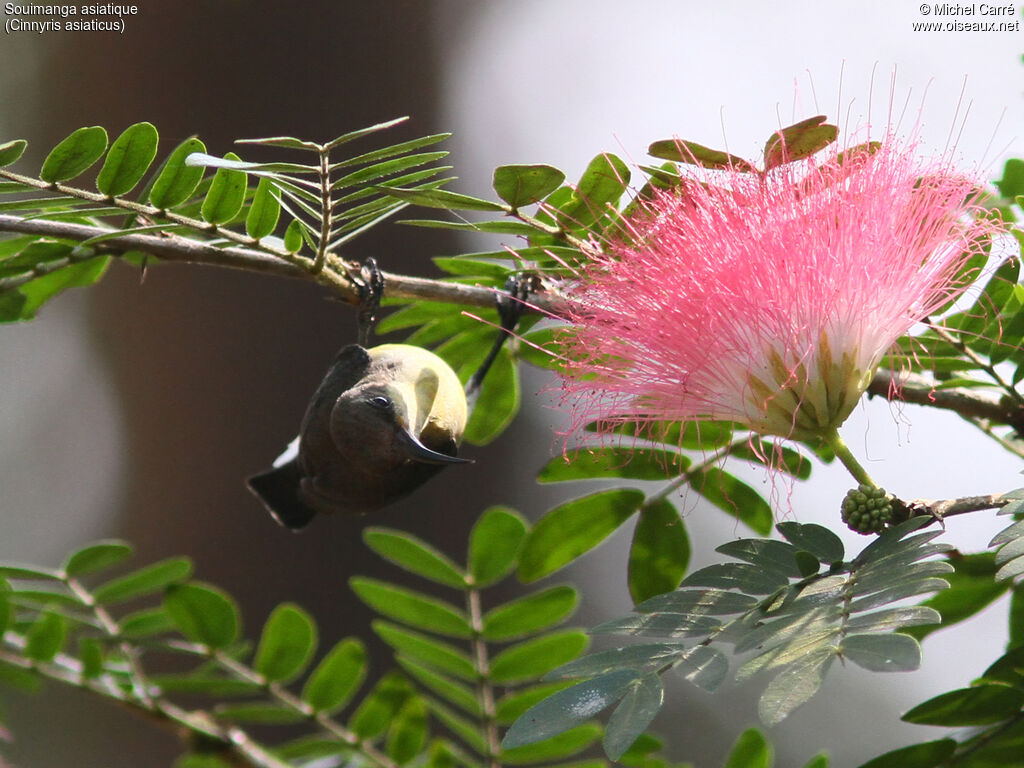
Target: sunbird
{"points": [[383, 421]]}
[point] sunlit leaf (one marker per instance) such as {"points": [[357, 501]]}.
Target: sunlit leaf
{"points": [[660, 551], [226, 195], [751, 750], [412, 608], [530, 614], [380, 706], [414, 555], [203, 613], [264, 211], [534, 658], [145, 581], [793, 686], [129, 158], [74, 154], [520, 185], [177, 181], [97, 557], [288, 641], [494, 544], [46, 637], [337, 677], [569, 530], [427, 650]]}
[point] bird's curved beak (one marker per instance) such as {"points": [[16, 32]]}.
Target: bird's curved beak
{"points": [[419, 452]]}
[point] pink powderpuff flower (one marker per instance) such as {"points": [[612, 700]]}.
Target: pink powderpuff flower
{"points": [[767, 298]]}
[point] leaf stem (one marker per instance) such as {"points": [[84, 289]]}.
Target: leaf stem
{"points": [[485, 691], [843, 453]]}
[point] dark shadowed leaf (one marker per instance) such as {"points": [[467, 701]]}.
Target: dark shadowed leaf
{"points": [[530, 614], [177, 181], [742, 576], [704, 666], [633, 714], [415, 556], [74, 155], [413, 608], [203, 613], [569, 708], [764, 553], [569, 530], [714, 602], [494, 544], [977, 705], [97, 557], [883, 653], [813, 538], [660, 551], [520, 185], [640, 657], [288, 641], [337, 677], [129, 158], [928, 755]]}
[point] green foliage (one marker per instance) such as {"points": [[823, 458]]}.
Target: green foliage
{"points": [[58, 627], [325, 203], [765, 604]]}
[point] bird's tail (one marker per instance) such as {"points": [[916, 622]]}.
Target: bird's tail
{"points": [[278, 489]]}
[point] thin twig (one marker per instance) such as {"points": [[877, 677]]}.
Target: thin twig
{"points": [[917, 389], [485, 692], [335, 276]]}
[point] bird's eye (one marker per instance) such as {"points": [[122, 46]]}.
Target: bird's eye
{"points": [[380, 402]]}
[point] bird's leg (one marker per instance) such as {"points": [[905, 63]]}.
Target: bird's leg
{"points": [[510, 304], [370, 285]]}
